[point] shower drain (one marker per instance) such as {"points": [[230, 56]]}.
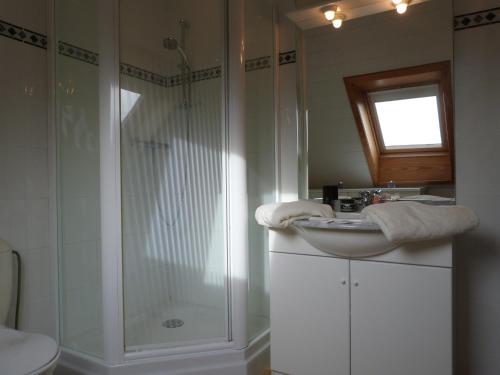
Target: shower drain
{"points": [[173, 323]]}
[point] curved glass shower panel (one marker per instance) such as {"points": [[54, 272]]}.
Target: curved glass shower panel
{"points": [[173, 181], [78, 160], [260, 136]]}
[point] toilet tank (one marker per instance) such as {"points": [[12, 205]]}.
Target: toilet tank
{"points": [[6, 275]]}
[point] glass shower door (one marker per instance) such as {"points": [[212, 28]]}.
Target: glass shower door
{"points": [[173, 180], [260, 154], [76, 97]]}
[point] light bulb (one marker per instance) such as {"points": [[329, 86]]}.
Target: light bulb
{"points": [[401, 8], [330, 15], [338, 20], [329, 11]]}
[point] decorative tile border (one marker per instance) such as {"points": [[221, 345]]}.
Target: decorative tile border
{"points": [[476, 19], [258, 63], [145, 75], [289, 57], [204, 74], [166, 81], [81, 54], [23, 35], [78, 53]]}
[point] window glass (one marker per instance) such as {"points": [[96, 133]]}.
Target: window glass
{"points": [[408, 118]]}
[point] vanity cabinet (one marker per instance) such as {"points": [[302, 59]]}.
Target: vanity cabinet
{"points": [[309, 315], [333, 316]]}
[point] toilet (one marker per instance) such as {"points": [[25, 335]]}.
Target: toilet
{"points": [[21, 353]]}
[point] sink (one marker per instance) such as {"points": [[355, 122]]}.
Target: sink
{"points": [[347, 236], [348, 215]]}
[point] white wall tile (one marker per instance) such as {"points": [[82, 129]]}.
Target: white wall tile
{"points": [[18, 224], [35, 274], [30, 14], [15, 173], [477, 254], [5, 219], [288, 113], [38, 223], [37, 183], [36, 316], [469, 6], [4, 165], [23, 80], [23, 161]]}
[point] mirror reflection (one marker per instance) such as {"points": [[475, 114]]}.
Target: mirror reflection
{"points": [[402, 120]]}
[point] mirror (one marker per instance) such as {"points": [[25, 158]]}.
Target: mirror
{"points": [[376, 43]]}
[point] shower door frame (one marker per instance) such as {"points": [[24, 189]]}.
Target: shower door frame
{"points": [[114, 352]]}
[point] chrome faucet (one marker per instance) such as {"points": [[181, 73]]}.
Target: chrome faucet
{"points": [[368, 196]]}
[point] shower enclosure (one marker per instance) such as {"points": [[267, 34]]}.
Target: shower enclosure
{"points": [[165, 145]]}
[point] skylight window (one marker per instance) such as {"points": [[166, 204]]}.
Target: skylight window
{"points": [[128, 100], [405, 123], [408, 118]]}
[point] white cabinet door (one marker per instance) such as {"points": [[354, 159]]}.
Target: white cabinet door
{"points": [[400, 319], [309, 315]]}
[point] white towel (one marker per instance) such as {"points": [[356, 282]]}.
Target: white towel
{"points": [[411, 221], [281, 215]]}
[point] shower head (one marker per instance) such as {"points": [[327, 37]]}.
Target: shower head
{"points": [[172, 43]]}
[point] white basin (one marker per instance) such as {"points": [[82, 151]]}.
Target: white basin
{"points": [[348, 215], [345, 237]]}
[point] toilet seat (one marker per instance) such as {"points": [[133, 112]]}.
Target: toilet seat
{"points": [[24, 353]]}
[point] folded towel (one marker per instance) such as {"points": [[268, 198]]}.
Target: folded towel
{"points": [[281, 215], [411, 221], [423, 197]]}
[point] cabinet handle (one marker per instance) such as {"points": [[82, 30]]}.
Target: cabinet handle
{"points": [[343, 282], [356, 283]]}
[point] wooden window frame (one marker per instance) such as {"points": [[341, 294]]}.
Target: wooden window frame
{"points": [[404, 166]]}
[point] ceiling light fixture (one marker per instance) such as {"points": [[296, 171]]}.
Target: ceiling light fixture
{"points": [[338, 20], [329, 11], [401, 5]]}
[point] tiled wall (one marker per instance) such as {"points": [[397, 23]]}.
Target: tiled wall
{"points": [[77, 135], [24, 203], [477, 137], [288, 111]]}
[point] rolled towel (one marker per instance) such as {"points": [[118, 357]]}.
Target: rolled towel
{"points": [[411, 221], [281, 215]]}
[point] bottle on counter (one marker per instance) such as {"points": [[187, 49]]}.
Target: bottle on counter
{"points": [[330, 195]]}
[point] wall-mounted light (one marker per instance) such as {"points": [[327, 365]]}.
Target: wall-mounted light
{"points": [[401, 5], [338, 20], [329, 11]]}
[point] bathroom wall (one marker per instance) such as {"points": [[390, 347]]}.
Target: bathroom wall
{"points": [[477, 137], [289, 123], [370, 44], [24, 183]]}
